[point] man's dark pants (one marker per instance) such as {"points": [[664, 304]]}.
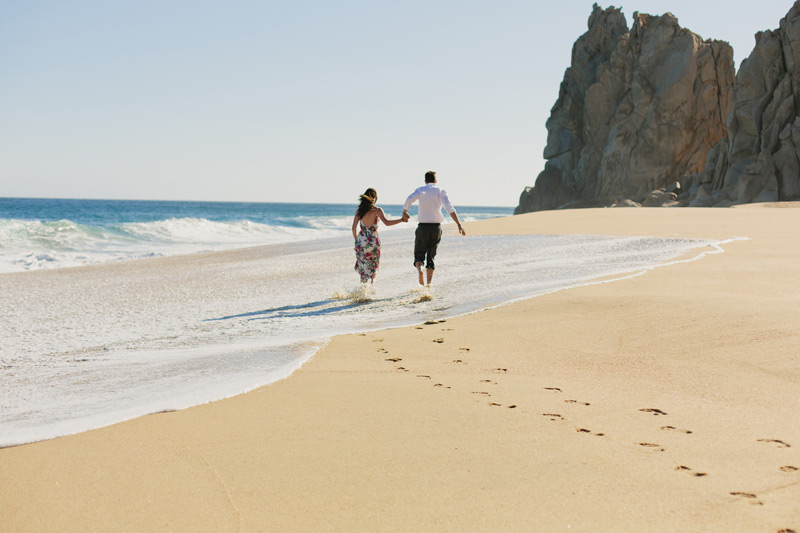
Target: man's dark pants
{"points": [[427, 241]]}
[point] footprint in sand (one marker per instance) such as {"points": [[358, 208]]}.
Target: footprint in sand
{"points": [[656, 412], [780, 443], [690, 471], [589, 431], [458, 361], [434, 322], [394, 359], [500, 370], [788, 469], [377, 340], [748, 496], [554, 389], [651, 445], [402, 369], [464, 349], [488, 381], [419, 327], [423, 376], [440, 341], [481, 392], [553, 416], [576, 401], [786, 531], [673, 428], [440, 385]]}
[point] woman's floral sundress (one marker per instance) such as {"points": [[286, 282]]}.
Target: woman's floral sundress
{"points": [[368, 251]]}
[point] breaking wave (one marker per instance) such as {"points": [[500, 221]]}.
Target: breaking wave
{"points": [[35, 244]]}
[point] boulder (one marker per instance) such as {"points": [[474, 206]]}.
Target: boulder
{"points": [[660, 198], [627, 203]]}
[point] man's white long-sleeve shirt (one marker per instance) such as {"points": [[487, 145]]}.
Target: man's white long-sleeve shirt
{"points": [[431, 200]]}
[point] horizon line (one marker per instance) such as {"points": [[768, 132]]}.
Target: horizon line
{"points": [[205, 201]]}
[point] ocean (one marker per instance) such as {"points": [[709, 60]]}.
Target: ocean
{"points": [[117, 309], [40, 233]]}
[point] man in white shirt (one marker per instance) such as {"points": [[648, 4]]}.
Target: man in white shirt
{"points": [[429, 231]]}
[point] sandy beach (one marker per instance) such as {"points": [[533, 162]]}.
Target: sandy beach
{"points": [[663, 402]]}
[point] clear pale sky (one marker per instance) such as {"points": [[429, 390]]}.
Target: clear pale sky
{"points": [[297, 100]]}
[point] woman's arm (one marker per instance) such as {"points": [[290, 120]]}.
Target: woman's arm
{"points": [[355, 226], [387, 221]]}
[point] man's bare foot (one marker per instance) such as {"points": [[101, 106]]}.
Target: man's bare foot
{"points": [[418, 264]]}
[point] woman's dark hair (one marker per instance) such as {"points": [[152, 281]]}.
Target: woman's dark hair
{"points": [[368, 200]]}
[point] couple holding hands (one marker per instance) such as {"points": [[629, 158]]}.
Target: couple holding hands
{"points": [[429, 231]]}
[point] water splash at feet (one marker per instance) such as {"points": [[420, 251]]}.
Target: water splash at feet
{"points": [[363, 293], [422, 294]]}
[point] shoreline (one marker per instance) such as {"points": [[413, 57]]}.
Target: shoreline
{"points": [[93, 421], [361, 435]]}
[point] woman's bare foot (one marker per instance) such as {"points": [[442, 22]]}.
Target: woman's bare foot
{"points": [[418, 264]]}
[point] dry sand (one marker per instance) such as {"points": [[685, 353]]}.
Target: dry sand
{"points": [[666, 402]]}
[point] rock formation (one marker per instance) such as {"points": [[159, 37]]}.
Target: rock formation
{"points": [[759, 161], [638, 109]]}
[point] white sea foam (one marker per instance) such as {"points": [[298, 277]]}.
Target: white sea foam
{"points": [[33, 244], [83, 348]]}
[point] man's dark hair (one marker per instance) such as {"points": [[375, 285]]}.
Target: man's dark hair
{"points": [[430, 176]]}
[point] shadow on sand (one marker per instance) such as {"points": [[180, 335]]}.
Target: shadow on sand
{"points": [[302, 310], [318, 308]]}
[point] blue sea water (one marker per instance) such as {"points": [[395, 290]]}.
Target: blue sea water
{"points": [[40, 233], [85, 347]]}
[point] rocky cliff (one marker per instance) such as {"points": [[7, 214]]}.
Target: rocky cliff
{"points": [[655, 116], [759, 160]]}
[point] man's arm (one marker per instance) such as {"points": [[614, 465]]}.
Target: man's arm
{"points": [[454, 216], [452, 210], [407, 205]]}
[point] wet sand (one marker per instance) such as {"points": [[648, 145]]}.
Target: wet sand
{"points": [[665, 402]]}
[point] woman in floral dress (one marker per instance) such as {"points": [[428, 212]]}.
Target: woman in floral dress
{"points": [[365, 233]]}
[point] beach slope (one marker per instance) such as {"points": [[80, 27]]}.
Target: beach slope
{"points": [[663, 402]]}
